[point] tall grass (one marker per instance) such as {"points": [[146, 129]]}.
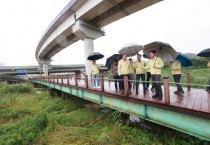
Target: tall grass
{"points": [[36, 118], [24, 131], [15, 88]]}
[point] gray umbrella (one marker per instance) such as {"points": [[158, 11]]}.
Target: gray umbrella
{"points": [[163, 50], [131, 49]]}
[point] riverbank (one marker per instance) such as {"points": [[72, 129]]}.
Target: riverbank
{"points": [[29, 116]]}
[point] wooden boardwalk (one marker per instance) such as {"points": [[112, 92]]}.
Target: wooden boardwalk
{"points": [[195, 99]]}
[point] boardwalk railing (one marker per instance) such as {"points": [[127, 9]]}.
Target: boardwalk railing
{"points": [[85, 82]]}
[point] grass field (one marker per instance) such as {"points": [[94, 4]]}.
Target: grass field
{"points": [[28, 116], [199, 76]]}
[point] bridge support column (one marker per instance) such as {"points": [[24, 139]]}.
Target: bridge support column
{"points": [[45, 63], [89, 48], [45, 69], [87, 33]]}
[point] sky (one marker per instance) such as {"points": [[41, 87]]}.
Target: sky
{"points": [[184, 24]]}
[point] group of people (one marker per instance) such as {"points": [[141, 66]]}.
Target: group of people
{"points": [[139, 69], [144, 71]]}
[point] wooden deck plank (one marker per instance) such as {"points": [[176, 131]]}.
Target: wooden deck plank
{"points": [[204, 103], [184, 102], [191, 102], [197, 104], [177, 100]]}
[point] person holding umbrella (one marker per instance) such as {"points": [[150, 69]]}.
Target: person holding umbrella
{"points": [[95, 74], [123, 70], [113, 68], [176, 72], [140, 73], [148, 74], [155, 65]]}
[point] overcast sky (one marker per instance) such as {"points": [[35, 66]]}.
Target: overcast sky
{"points": [[185, 24]]}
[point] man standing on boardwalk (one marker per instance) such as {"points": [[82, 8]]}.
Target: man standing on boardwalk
{"points": [[176, 72], [123, 70], [140, 73], [113, 68], [95, 74], [155, 65]]}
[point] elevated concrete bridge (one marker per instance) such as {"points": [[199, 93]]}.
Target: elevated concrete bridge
{"points": [[83, 20]]}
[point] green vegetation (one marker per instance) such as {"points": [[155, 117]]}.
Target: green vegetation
{"points": [[33, 117]]}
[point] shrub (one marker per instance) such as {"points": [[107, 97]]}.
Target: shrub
{"points": [[23, 132], [16, 88]]}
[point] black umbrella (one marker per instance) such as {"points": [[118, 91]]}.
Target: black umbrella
{"points": [[110, 60], [95, 56], [204, 53]]}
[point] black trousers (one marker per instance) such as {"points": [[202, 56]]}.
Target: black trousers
{"points": [[142, 76], [177, 78], [121, 82], [148, 78], [208, 88], [116, 81], [157, 85]]}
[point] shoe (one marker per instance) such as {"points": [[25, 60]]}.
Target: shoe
{"points": [[98, 87], [179, 93], [94, 87], [175, 92], [154, 96]]}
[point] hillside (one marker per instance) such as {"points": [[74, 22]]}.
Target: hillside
{"points": [[192, 55]]}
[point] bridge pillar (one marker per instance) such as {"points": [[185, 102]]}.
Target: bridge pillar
{"points": [[89, 48], [45, 63], [45, 69], [87, 33]]}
